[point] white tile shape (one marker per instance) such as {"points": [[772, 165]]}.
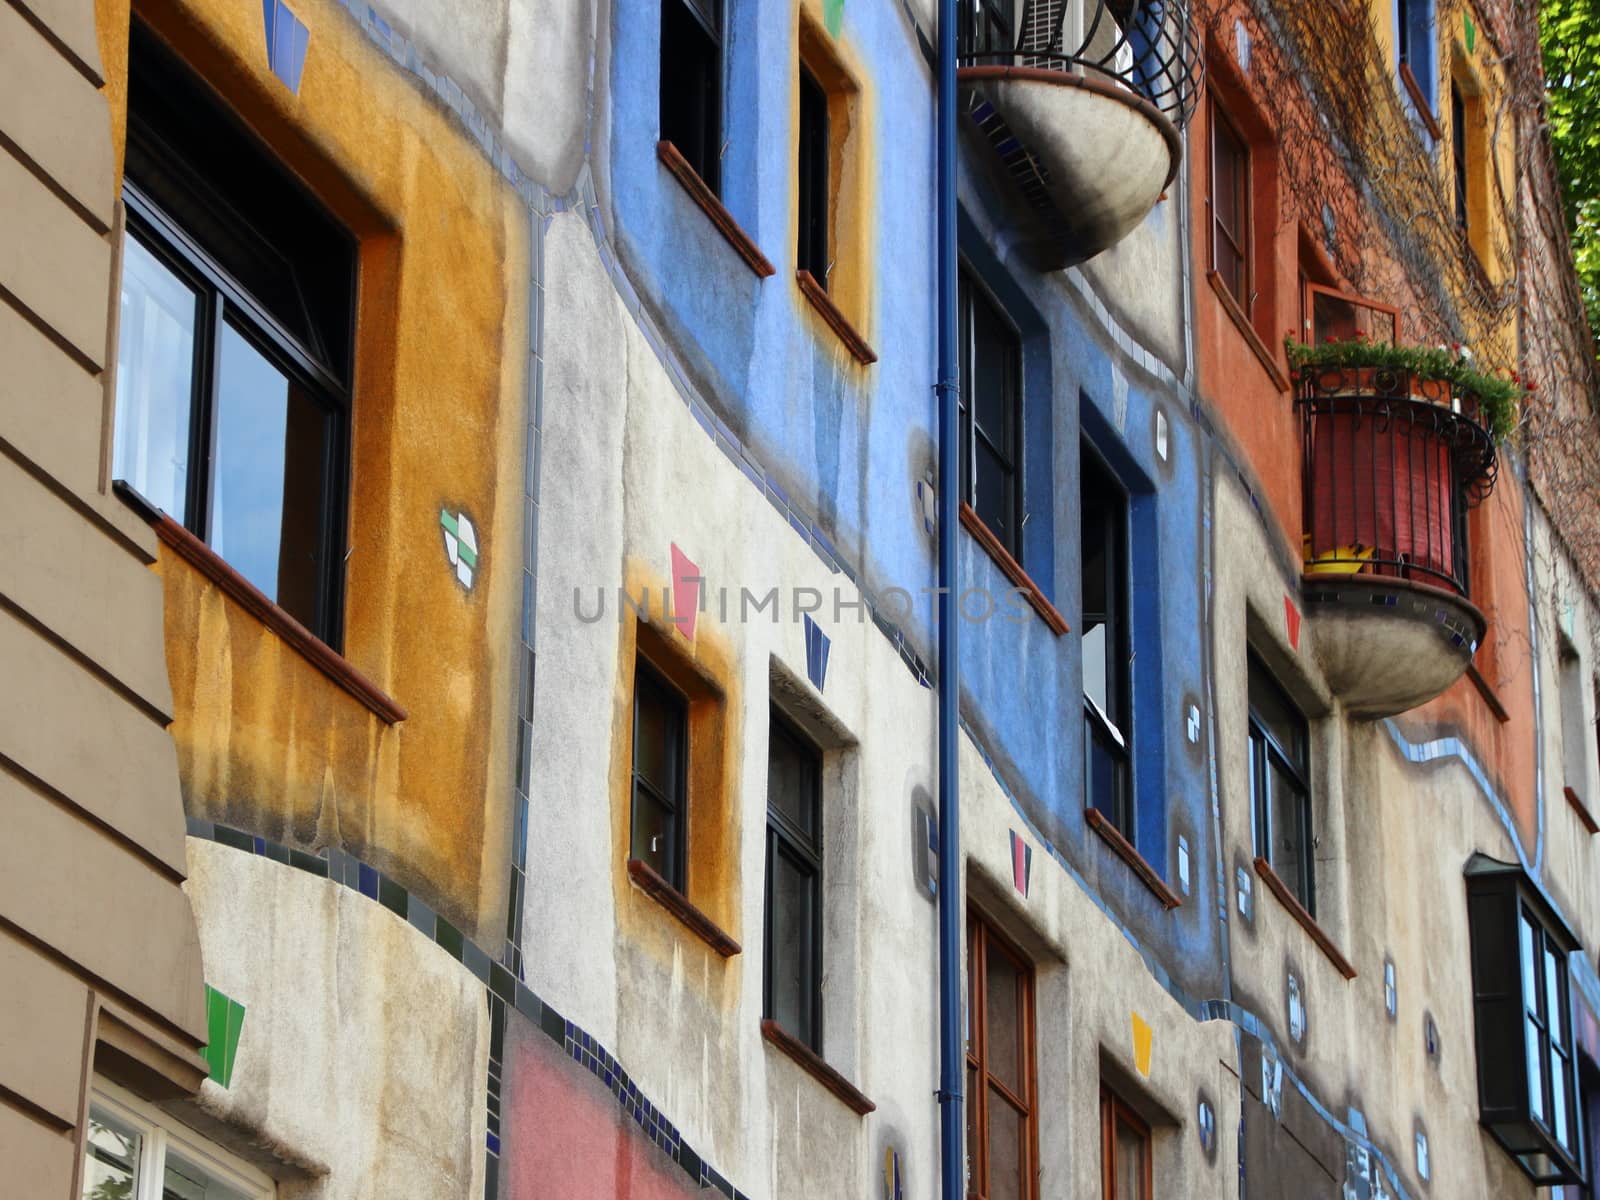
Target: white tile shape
{"points": [[1161, 434], [469, 536], [1183, 863]]}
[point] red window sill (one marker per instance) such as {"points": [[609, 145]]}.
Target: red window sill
{"points": [[672, 158], [675, 902], [1124, 850], [1280, 889], [1263, 353], [244, 593], [814, 1065], [1579, 807], [1012, 569], [837, 321]]}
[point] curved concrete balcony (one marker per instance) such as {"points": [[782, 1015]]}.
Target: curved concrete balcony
{"points": [[1077, 116], [1392, 464]]}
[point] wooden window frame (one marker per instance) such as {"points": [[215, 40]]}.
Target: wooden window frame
{"points": [[970, 294], [784, 836], [981, 934], [1113, 1111], [1265, 751], [1221, 120], [649, 675]]}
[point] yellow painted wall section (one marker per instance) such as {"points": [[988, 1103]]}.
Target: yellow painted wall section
{"points": [[266, 742]]}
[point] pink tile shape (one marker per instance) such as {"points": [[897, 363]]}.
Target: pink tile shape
{"points": [[685, 592]]}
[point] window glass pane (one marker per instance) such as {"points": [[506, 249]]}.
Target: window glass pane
{"points": [[655, 835], [184, 1180], [1005, 1028], [1558, 1094], [110, 1158], [1555, 1011], [1530, 976], [267, 477], [1131, 1148], [793, 983], [992, 490], [1291, 833], [657, 735], [691, 86], [1226, 193], [1342, 318], [792, 779], [994, 357], [155, 377], [1272, 709], [1536, 1074], [1006, 1152], [1230, 265], [813, 175], [1105, 775]]}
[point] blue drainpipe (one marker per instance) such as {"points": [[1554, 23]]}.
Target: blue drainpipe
{"points": [[952, 1052]]}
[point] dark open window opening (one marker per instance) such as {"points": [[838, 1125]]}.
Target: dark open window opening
{"points": [[990, 408], [1402, 36], [1280, 785], [1229, 200], [1002, 1130], [1125, 1161], [1527, 1068], [811, 252], [660, 767], [1106, 644], [691, 85], [235, 337], [1458, 143], [793, 944]]}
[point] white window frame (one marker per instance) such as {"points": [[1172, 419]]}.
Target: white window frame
{"points": [[160, 1131]]}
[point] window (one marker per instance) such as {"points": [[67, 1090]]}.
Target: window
{"points": [[660, 757], [1002, 1134], [233, 361], [991, 416], [691, 84], [1229, 200], [1414, 54], [1105, 641], [1527, 1072], [793, 942], [811, 253], [1458, 144], [1280, 785], [133, 1151], [1340, 316], [1124, 1150]]}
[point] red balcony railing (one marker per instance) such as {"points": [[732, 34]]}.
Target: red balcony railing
{"points": [[1392, 464]]}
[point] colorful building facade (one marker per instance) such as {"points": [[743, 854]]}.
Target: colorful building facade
{"points": [[524, 412]]}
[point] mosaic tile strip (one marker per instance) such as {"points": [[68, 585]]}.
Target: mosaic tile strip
{"points": [[504, 994]]}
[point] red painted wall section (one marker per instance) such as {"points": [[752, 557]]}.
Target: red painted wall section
{"points": [[565, 1136]]}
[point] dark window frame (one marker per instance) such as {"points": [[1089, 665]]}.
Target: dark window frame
{"points": [[981, 937], [1266, 751], [1239, 240], [971, 294], [319, 362], [1111, 731], [693, 84], [1114, 1112], [649, 677], [785, 837], [813, 149]]}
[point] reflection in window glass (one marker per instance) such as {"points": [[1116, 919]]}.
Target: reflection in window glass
{"points": [[110, 1159], [184, 1180], [155, 379]]}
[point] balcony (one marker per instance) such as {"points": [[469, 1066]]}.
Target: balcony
{"points": [[1075, 108], [1392, 464]]}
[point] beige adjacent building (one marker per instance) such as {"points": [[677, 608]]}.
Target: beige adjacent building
{"points": [[100, 970]]}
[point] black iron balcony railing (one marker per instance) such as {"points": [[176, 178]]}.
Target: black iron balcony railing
{"points": [[1149, 47], [1392, 465]]}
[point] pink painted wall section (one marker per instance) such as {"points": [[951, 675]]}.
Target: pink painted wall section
{"points": [[565, 1136]]}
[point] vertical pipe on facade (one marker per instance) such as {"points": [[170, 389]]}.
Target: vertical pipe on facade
{"points": [[952, 1055]]}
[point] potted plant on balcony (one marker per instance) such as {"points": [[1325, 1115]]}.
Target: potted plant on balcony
{"points": [[1437, 374], [1399, 442]]}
